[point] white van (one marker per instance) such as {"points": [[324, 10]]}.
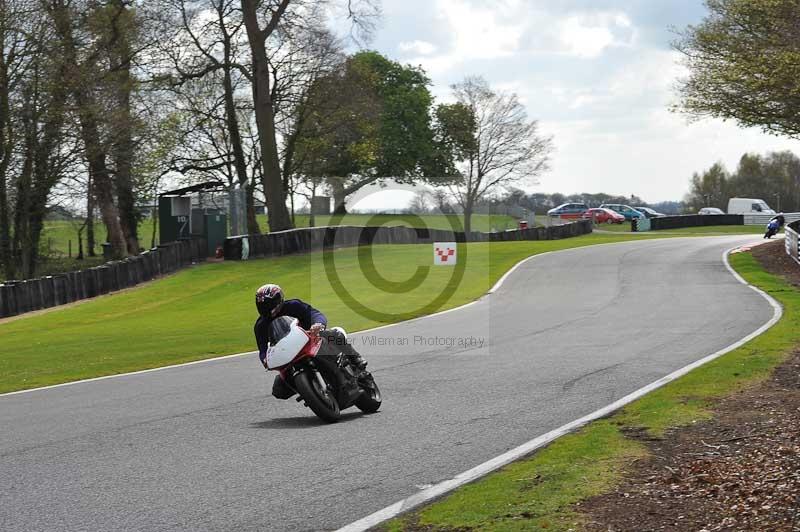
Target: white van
{"points": [[748, 206]]}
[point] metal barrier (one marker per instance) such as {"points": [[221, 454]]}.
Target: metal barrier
{"points": [[763, 219]]}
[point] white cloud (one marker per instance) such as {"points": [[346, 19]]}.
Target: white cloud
{"points": [[599, 80], [417, 47], [589, 36], [483, 32], [473, 32]]}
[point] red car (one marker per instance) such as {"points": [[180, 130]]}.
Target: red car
{"points": [[604, 216]]}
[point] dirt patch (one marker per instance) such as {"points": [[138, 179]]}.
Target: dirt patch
{"points": [[775, 260], [738, 471]]}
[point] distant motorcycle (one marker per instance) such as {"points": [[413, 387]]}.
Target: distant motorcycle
{"points": [[772, 228], [326, 383]]}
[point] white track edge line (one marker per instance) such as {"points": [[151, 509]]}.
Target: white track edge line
{"points": [[493, 289], [506, 458]]}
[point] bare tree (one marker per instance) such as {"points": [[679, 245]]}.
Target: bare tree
{"points": [[80, 76], [264, 106], [35, 150], [493, 143], [421, 202]]}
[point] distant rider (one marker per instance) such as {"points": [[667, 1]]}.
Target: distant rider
{"points": [[271, 304], [780, 219]]}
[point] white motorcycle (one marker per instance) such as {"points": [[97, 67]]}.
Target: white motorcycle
{"points": [[326, 383]]}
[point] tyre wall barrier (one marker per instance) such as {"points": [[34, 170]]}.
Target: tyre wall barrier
{"points": [[18, 297], [792, 240], [694, 220], [318, 238]]}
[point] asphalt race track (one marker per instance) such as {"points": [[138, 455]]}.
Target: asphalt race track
{"points": [[204, 447]]}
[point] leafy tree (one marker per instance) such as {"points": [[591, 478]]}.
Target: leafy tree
{"points": [[494, 145], [774, 177], [266, 23], [709, 188], [743, 64], [368, 122]]}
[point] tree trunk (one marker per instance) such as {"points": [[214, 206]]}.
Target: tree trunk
{"points": [[6, 147], [312, 221], [80, 245], [232, 123], [87, 109], [252, 221], [265, 115], [20, 241], [122, 152], [155, 228], [468, 207], [339, 197], [90, 244], [35, 225], [122, 123], [101, 180]]}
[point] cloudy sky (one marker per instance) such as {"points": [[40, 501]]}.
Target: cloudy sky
{"points": [[598, 74]]}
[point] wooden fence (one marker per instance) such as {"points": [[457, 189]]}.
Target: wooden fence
{"points": [[18, 297], [318, 238]]}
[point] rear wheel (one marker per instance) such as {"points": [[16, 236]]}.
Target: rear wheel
{"points": [[320, 400], [370, 400]]}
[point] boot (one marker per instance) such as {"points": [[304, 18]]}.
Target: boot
{"points": [[355, 358]]}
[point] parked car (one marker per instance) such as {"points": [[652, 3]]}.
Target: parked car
{"points": [[748, 206], [710, 210], [625, 210], [648, 212], [603, 216], [569, 210]]}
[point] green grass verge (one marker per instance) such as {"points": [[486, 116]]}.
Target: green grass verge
{"points": [[485, 223], [207, 311], [540, 493]]}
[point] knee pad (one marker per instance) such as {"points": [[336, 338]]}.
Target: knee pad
{"points": [[339, 331]]}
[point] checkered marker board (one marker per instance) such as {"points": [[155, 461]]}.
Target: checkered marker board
{"points": [[444, 253]]}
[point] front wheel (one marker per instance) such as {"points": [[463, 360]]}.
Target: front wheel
{"points": [[320, 401], [370, 400]]}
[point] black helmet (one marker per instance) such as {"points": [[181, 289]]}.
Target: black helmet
{"points": [[269, 299]]}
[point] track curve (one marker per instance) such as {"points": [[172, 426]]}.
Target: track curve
{"points": [[202, 447]]}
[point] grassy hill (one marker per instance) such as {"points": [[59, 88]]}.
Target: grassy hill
{"points": [[58, 233], [208, 310]]}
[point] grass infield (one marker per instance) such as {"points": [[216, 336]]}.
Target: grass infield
{"points": [[57, 234], [540, 492]]}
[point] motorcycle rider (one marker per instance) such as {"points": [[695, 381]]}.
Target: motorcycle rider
{"points": [[774, 225], [271, 304]]}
